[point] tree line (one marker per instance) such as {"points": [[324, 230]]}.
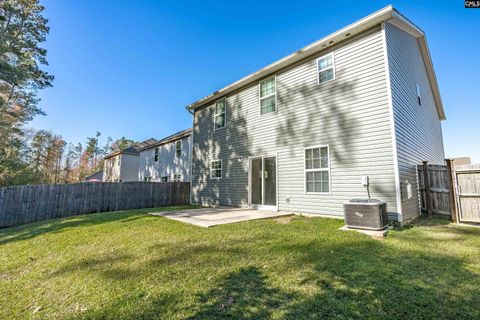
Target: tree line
{"points": [[48, 158], [28, 155]]}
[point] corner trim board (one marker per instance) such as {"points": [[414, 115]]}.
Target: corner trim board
{"points": [[392, 125]]}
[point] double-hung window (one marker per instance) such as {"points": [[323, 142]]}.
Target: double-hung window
{"points": [[220, 114], [317, 170], [156, 154], [178, 148], [216, 169], [268, 95], [326, 68], [177, 177]]}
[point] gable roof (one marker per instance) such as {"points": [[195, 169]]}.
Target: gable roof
{"points": [[98, 174], [386, 14], [133, 150], [130, 150], [171, 138], [145, 143]]}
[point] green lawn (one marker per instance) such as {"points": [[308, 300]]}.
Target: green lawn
{"points": [[129, 265]]}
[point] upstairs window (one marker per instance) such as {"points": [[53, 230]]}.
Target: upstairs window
{"points": [[419, 95], [177, 177], [220, 118], [268, 95], [216, 169], [178, 148], [326, 68], [317, 170], [156, 154]]}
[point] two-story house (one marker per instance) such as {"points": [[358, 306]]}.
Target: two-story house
{"points": [[306, 133], [122, 165], [167, 160]]}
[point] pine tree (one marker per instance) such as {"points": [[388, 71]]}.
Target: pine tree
{"points": [[22, 29]]}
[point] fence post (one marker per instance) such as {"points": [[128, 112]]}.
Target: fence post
{"points": [[453, 207], [426, 179]]}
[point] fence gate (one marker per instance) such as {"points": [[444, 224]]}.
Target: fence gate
{"points": [[467, 185], [434, 188]]}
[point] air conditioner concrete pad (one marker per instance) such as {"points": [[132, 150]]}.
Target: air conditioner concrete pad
{"points": [[372, 233]]}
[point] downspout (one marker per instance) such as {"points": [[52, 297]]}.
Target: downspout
{"points": [[191, 152]]}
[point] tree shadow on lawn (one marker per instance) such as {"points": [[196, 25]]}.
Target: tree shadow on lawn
{"points": [[32, 230], [242, 294], [356, 278], [368, 279], [352, 277]]}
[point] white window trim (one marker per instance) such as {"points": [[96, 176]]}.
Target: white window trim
{"points": [[221, 169], [176, 148], [215, 114], [313, 170], [318, 70], [260, 98]]}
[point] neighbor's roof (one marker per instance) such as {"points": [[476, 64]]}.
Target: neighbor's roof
{"points": [[129, 150], [99, 172], [171, 138], [386, 14], [134, 150], [145, 143]]}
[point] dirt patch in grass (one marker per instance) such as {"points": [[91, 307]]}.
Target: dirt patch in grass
{"points": [[285, 220]]}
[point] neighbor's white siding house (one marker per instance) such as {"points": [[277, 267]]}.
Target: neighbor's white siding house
{"points": [[304, 131], [121, 166], [167, 160]]}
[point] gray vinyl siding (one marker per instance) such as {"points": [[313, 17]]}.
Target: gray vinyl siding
{"points": [[350, 114], [168, 164], [128, 167], [418, 128]]}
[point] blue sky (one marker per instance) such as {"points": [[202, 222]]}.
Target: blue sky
{"points": [[128, 68]]}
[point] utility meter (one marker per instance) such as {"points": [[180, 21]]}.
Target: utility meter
{"points": [[365, 181]]}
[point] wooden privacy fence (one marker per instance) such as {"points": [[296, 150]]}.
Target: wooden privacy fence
{"points": [[450, 191], [29, 203], [467, 191], [434, 187]]}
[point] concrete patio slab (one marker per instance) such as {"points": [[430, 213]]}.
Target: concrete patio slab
{"points": [[209, 217]]}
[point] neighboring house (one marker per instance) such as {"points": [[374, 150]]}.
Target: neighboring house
{"points": [[95, 177], [303, 133], [122, 165], [168, 159]]}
